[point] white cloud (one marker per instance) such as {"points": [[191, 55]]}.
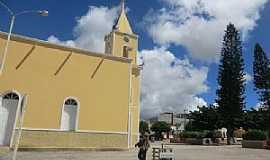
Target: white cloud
{"points": [[248, 77], [258, 106], [91, 29], [199, 25], [170, 84], [55, 40]]}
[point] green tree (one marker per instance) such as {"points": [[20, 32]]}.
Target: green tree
{"points": [[231, 82], [256, 119], [206, 118], [160, 127], [144, 127], [261, 71]]}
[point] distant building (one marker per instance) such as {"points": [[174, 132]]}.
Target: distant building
{"points": [[176, 121]]}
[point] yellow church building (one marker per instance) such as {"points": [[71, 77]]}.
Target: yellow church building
{"points": [[76, 98]]}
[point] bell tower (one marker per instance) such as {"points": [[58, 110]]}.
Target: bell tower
{"points": [[122, 42]]}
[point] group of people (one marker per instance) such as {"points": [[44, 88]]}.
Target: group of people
{"points": [[143, 146]]}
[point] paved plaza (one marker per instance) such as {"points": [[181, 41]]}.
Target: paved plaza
{"points": [[182, 152]]}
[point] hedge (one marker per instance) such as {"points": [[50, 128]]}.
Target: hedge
{"points": [[200, 135], [256, 135]]}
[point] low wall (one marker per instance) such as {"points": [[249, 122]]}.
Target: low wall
{"points": [[194, 141], [267, 144], [72, 140], [253, 144]]}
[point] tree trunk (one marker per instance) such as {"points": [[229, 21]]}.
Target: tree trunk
{"points": [[230, 137]]}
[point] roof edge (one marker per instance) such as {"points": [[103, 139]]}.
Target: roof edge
{"points": [[21, 38]]}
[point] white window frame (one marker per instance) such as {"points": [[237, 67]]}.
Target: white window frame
{"points": [[17, 112]]}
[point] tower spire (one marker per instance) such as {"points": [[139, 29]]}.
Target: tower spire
{"points": [[122, 23], [122, 5]]}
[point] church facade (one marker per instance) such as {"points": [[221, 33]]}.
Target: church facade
{"points": [[75, 98]]}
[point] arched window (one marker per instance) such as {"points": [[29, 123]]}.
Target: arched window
{"points": [[11, 96], [69, 115], [71, 102], [8, 109]]}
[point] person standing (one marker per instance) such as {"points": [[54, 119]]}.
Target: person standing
{"points": [[143, 146]]}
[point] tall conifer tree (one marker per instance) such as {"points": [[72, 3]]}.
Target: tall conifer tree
{"points": [[231, 89], [261, 70]]}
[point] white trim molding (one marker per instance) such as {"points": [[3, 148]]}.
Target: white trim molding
{"points": [[102, 132], [78, 131], [139, 106], [129, 106]]}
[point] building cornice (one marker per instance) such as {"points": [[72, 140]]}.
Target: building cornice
{"points": [[24, 39], [131, 35]]}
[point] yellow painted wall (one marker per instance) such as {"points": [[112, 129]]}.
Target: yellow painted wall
{"points": [[69, 140], [103, 97], [135, 87], [135, 124]]}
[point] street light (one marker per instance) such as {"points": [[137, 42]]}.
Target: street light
{"points": [[13, 17], [185, 118]]}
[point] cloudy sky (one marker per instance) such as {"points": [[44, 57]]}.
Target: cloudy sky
{"points": [[180, 41]]}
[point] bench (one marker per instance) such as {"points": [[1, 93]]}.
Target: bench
{"points": [[163, 153]]}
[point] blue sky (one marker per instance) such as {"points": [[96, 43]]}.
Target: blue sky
{"points": [[148, 19]]}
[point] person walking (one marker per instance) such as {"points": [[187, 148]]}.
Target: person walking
{"points": [[143, 146]]}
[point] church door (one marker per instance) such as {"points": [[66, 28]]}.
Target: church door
{"points": [[8, 109]]}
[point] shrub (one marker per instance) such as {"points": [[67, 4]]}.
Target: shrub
{"points": [[197, 135], [202, 134], [159, 128], [189, 134], [208, 134], [255, 135]]}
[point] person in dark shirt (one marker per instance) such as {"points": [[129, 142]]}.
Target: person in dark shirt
{"points": [[143, 146]]}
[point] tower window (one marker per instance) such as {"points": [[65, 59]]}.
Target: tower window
{"points": [[125, 52]]}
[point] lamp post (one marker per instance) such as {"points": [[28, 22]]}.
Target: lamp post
{"points": [[13, 17], [185, 118]]}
